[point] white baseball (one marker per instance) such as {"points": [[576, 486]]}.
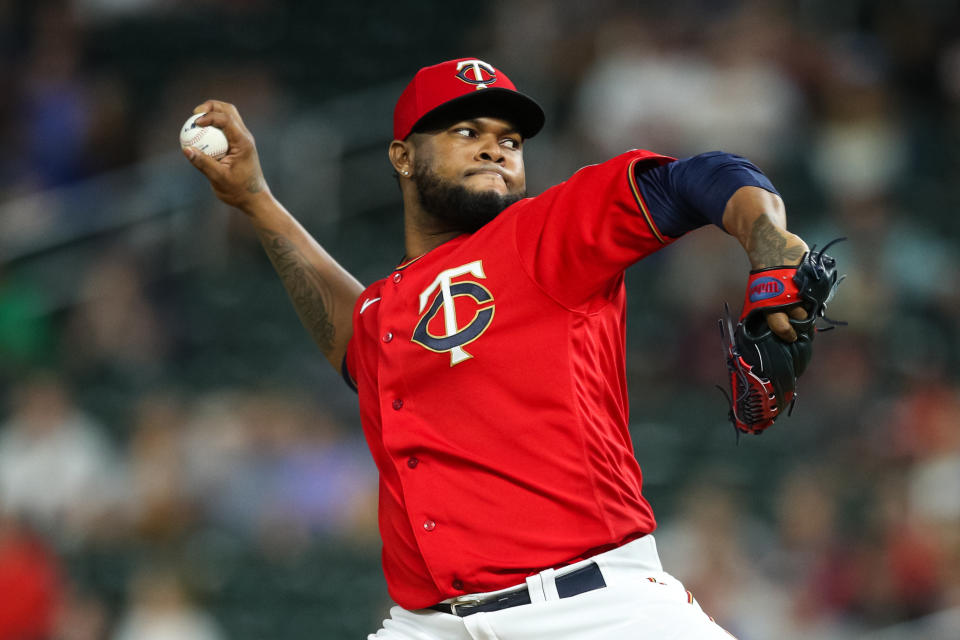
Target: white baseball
{"points": [[209, 140]]}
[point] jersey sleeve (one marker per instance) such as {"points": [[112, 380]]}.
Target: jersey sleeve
{"points": [[576, 238], [693, 192]]}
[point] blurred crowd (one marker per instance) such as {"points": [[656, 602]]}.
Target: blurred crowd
{"points": [[270, 468], [149, 409]]}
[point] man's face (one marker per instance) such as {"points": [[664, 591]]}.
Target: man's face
{"points": [[469, 172]]}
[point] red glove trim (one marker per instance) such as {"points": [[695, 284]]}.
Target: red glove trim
{"points": [[754, 406], [769, 289]]}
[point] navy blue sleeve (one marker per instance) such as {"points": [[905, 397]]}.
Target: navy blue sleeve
{"points": [[692, 192]]}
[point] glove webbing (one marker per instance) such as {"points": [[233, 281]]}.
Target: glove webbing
{"points": [[755, 407]]}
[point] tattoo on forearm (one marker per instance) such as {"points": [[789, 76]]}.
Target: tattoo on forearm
{"points": [[308, 290], [768, 246]]}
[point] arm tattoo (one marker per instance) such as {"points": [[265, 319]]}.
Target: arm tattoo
{"points": [[768, 247], [308, 289]]}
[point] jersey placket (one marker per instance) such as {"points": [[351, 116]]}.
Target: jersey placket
{"points": [[401, 426]]}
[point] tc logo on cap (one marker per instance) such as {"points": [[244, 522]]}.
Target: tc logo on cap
{"points": [[449, 90], [476, 72]]}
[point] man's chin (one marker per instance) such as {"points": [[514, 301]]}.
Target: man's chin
{"points": [[465, 205], [485, 184]]}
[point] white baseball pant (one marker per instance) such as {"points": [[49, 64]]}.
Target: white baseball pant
{"points": [[641, 602]]}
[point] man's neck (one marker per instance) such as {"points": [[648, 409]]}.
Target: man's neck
{"points": [[421, 234]]}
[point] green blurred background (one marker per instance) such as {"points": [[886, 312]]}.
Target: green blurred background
{"points": [[178, 461]]}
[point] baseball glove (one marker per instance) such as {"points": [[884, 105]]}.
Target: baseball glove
{"points": [[763, 369]]}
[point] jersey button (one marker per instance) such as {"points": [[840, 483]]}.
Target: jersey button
{"points": [[387, 337], [397, 277], [429, 525], [397, 404], [458, 585], [412, 462]]}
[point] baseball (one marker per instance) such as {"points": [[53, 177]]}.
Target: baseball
{"points": [[209, 140]]}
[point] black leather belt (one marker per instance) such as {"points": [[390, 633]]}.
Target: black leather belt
{"points": [[570, 584]]}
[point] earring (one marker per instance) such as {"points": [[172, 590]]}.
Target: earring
{"points": [[406, 173]]}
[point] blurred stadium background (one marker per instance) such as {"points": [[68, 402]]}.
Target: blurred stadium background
{"points": [[176, 461]]}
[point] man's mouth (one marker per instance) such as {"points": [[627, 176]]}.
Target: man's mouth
{"points": [[486, 171]]}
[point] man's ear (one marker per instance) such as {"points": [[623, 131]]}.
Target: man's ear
{"points": [[401, 154]]}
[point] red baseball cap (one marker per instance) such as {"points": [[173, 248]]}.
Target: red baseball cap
{"points": [[463, 88]]}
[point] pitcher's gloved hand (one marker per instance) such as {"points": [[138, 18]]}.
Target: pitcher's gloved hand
{"points": [[763, 369]]}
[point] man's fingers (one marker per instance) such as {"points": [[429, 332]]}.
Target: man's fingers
{"points": [[217, 106], [207, 165], [210, 105], [226, 123], [779, 322], [231, 110], [204, 107], [780, 325], [213, 118]]}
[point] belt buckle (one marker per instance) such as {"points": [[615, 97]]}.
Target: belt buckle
{"points": [[464, 601]]}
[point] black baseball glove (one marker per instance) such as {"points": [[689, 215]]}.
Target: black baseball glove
{"points": [[763, 368]]}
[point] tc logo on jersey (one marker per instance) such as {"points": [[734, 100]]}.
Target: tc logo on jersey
{"points": [[476, 72], [764, 288], [443, 295]]}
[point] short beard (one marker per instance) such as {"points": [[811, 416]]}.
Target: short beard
{"points": [[453, 206]]}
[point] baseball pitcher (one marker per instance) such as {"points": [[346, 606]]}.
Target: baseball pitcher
{"points": [[490, 363]]}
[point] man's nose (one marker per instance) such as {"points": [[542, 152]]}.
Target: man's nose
{"points": [[490, 149]]}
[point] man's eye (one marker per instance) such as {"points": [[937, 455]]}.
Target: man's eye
{"points": [[511, 143], [464, 131]]}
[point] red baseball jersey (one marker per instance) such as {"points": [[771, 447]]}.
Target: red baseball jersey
{"points": [[492, 388]]}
